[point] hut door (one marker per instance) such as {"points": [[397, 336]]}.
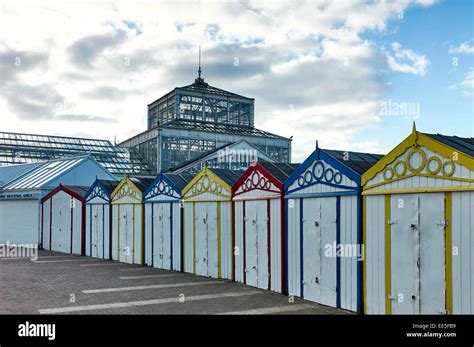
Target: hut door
{"points": [[126, 234], [201, 225], [251, 243], [158, 237], [212, 244], [432, 254], [405, 234], [417, 253], [262, 244], [311, 249], [97, 240], [166, 240], [328, 260]]}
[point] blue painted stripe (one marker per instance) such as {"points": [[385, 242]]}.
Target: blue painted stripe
{"points": [[323, 184], [301, 250], [151, 201], [360, 268], [286, 247], [90, 231], [338, 258], [103, 230], [171, 235], [317, 195], [152, 231]]}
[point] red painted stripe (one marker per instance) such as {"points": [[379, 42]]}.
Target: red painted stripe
{"points": [[83, 230], [42, 223], [72, 219], [244, 251], [282, 244], [50, 223], [233, 240], [269, 245]]}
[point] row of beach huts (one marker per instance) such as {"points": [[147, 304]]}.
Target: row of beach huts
{"points": [[367, 233]]}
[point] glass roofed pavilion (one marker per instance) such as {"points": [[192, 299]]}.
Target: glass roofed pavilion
{"points": [[198, 118], [18, 148]]}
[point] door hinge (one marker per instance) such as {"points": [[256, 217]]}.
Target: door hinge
{"points": [[392, 221], [442, 223]]}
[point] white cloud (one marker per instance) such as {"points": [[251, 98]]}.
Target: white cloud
{"points": [[91, 69], [464, 47], [466, 86], [406, 60]]}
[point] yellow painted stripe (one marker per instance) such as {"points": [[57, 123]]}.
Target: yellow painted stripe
{"points": [[388, 266], [419, 190], [194, 237], [219, 255], [133, 235], [183, 234], [364, 231], [457, 179], [449, 254], [118, 234], [142, 235]]}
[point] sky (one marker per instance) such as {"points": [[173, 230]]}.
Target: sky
{"points": [[353, 75]]}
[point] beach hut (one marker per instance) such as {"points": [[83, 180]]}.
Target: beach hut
{"points": [[418, 227], [99, 218], [259, 230], [25, 185], [63, 212], [208, 223], [128, 239], [163, 221], [324, 228]]}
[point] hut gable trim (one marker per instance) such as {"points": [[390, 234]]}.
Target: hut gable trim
{"points": [[97, 190], [416, 140], [64, 189], [126, 188], [161, 186], [207, 181], [393, 169], [257, 178], [305, 175]]}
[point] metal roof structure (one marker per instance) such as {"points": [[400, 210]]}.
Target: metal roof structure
{"points": [[43, 174], [199, 86], [209, 155], [79, 190], [357, 161], [463, 144], [16, 148], [184, 124], [281, 171], [10, 172], [228, 176]]}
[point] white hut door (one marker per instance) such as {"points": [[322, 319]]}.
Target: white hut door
{"points": [[212, 244], [405, 235], [262, 244], [66, 230], [126, 233], [166, 240], [97, 231], [158, 235], [328, 228], [201, 256], [251, 243], [432, 254], [311, 249]]}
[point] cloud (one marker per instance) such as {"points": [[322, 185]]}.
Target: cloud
{"points": [[84, 52], [466, 86], [307, 65], [463, 48], [406, 60]]}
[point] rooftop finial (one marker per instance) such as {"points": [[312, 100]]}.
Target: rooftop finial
{"points": [[199, 70], [414, 127], [317, 145]]}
